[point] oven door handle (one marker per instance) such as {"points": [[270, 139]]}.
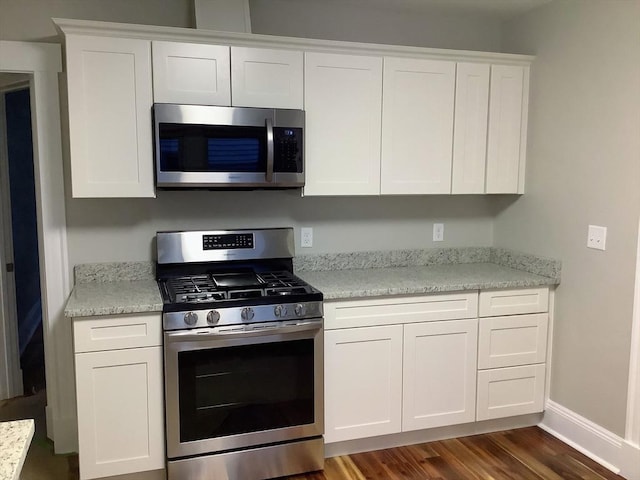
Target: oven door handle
{"points": [[254, 331]]}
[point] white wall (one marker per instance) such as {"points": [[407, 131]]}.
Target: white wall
{"points": [[359, 21], [119, 230], [583, 168], [30, 20]]}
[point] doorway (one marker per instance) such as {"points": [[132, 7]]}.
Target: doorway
{"points": [[20, 235]]}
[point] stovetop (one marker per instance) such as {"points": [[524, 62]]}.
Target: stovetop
{"points": [[214, 289], [231, 278]]}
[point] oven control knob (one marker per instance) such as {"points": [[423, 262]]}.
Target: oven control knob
{"points": [[300, 310], [213, 317], [280, 310], [191, 318], [247, 313]]}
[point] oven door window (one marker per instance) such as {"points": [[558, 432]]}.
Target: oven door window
{"points": [[212, 148], [248, 388]]}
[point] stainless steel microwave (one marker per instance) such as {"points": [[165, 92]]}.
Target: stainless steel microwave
{"points": [[199, 146]]}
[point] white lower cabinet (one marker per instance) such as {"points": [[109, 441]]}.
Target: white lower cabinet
{"points": [[400, 364], [119, 394], [439, 375], [512, 352], [363, 372], [403, 375]]}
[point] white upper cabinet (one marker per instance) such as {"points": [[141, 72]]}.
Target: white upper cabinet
{"points": [[470, 128], [506, 147], [191, 73], [266, 78], [110, 98], [417, 126], [343, 103]]}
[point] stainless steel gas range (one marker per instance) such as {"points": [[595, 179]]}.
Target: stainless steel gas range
{"points": [[243, 352]]}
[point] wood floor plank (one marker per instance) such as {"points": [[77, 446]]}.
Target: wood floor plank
{"points": [[521, 454]]}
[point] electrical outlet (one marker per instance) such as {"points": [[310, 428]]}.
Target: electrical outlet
{"points": [[438, 232], [306, 237], [597, 237]]}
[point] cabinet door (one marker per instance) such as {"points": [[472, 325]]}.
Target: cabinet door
{"points": [[470, 128], [439, 383], [120, 411], [343, 103], [191, 73], [505, 147], [109, 85], [417, 126], [266, 78], [363, 382]]}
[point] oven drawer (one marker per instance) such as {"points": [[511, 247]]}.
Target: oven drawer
{"points": [[113, 332]]}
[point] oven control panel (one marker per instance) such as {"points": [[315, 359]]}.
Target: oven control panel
{"points": [[228, 241], [239, 315]]}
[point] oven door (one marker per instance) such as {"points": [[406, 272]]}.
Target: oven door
{"points": [[234, 389]]}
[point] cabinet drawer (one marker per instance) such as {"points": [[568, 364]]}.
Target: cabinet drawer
{"points": [[512, 341], [91, 334], [494, 303], [504, 392], [365, 313]]}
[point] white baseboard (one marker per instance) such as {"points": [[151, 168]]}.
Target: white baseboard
{"points": [[597, 443]]}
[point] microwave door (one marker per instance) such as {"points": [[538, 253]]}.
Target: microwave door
{"points": [[213, 155]]}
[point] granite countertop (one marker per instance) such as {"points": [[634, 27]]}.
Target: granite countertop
{"points": [[130, 287], [15, 438], [372, 282], [113, 298]]}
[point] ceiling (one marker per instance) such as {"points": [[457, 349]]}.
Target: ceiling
{"points": [[497, 8]]}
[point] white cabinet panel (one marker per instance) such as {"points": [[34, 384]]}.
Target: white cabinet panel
{"points": [[504, 392], [511, 341], [506, 106], [120, 411], [266, 78], [363, 382], [417, 126], [513, 302], [92, 334], [470, 128], [191, 73], [343, 103], [439, 385], [110, 98], [363, 313]]}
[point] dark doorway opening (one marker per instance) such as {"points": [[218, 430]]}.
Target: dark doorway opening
{"points": [[24, 230]]}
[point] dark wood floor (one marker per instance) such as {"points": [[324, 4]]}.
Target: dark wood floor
{"points": [[526, 453], [522, 454]]}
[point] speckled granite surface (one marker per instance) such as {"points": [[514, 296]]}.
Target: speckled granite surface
{"points": [[359, 283], [112, 272], [546, 267], [120, 288], [112, 298], [15, 438], [391, 258]]}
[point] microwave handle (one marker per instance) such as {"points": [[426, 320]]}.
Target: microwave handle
{"points": [[269, 124]]}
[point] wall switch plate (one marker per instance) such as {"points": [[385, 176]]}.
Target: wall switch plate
{"points": [[438, 232], [597, 237], [306, 237]]}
